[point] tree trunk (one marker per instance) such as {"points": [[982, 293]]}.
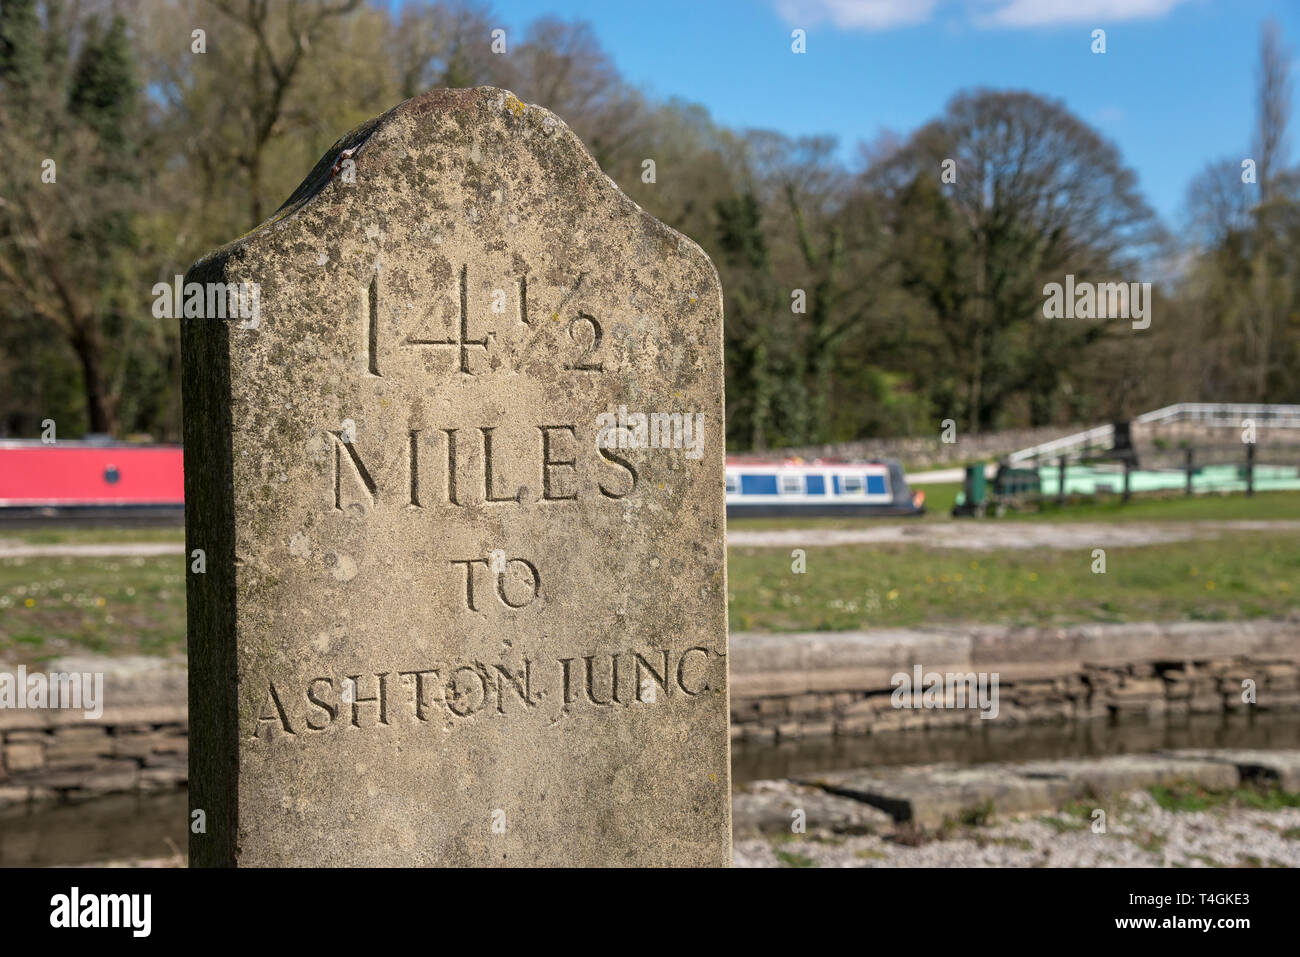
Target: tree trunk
{"points": [[100, 407]]}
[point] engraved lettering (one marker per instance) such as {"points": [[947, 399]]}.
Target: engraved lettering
{"points": [[523, 687], [624, 464], [325, 706], [358, 468], [419, 689], [469, 688], [681, 667], [534, 589], [273, 697], [584, 363], [613, 683], [660, 678], [451, 466], [488, 481], [548, 492], [469, 564], [381, 699], [372, 326], [461, 701], [570, 695], [462, 342], [414, 466]]}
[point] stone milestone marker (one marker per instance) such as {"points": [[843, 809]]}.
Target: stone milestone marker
{"points": [[458, 481]]}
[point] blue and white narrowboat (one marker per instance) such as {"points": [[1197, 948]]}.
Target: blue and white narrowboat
{"points": [[820, 487]]}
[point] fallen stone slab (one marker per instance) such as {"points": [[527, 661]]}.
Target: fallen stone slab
{"points": [[1270, 767], [930, 796], [768, 807], [1094, 777]]}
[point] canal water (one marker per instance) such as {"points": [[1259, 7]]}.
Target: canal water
{"points": [[990, 742], [153, 827]]}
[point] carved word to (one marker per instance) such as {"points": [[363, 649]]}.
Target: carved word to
{"points": [[522, 566]]}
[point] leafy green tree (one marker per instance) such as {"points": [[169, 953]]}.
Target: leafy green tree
{"points": [[1037, 194]]}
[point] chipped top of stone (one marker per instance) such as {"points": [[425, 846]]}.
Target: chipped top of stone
{"points": [[482, 103]]}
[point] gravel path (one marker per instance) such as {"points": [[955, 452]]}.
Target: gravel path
{"points": [[991, 534], [15, 549], [1139, 833], [973, 535]]}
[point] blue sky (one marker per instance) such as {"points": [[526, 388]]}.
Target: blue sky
{"points": [[1174, 90]]}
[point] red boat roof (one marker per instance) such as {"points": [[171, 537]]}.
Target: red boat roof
{"points": [[90, 473]]}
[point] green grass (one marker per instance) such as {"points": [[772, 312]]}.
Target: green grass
{"points": [[1061, 825], [1191, 797], [55, 606], [58, 606], [90, 535], [1234, 577], [791, 859], [939, 499], [1263, 506]]}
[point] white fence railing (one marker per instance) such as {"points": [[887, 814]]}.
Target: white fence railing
{"points": [[1224, 414]]}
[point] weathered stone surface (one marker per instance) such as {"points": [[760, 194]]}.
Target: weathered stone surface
{"points": [[24, 756], [1118, 773], [930, 796], [438, 624], [1267, 767]]}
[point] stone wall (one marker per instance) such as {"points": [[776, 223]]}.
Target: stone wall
{"points": [[783, 686], [139, 743], [788, 686]]}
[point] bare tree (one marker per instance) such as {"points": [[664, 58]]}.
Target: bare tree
{"points": [[280, 46], [1272, 107]]}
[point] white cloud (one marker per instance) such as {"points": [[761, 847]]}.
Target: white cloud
{"points": [[1043, 13], [1008, 14], [858, 14]]}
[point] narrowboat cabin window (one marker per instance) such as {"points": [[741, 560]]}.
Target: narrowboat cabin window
{"points": [[818, 488]]}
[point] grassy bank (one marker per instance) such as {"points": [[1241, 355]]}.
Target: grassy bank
{"points": [[92, 535], [59, 606], [851, 587], [51, 606]]}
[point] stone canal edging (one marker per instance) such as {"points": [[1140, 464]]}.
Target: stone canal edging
{"points": [[139, 743], [930, 796], [784, 686], [787, 686]]}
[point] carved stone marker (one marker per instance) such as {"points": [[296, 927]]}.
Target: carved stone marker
{"points": [[458, 484]]}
